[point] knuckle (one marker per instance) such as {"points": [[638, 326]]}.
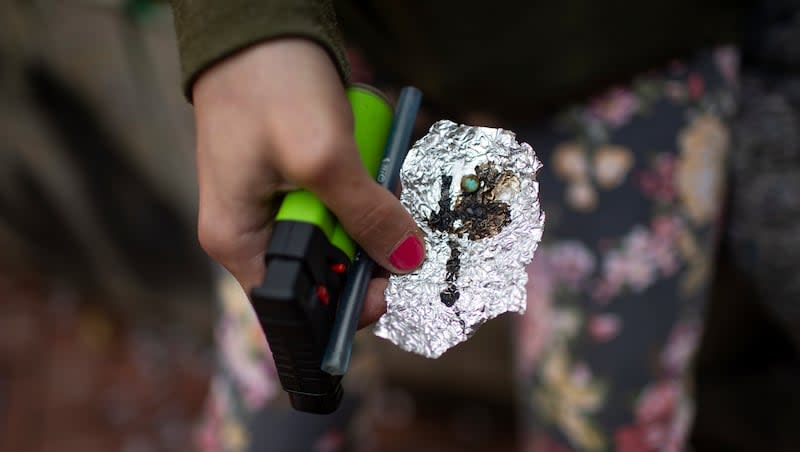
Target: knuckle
{"points": [[309, 163], [215, 237], [313, 170], [375, 221]]}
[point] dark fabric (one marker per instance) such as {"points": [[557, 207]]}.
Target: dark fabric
{"points": [[503, 56], [512, 57], [746, 370], [209, 30], [766, 165]]}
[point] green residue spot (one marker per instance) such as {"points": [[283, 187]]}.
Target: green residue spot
{"points": [[469, 183]]}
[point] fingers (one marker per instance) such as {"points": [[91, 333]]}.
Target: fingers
{"points": [[369, 213], [235, 236], [236, 190], [374, 302]]}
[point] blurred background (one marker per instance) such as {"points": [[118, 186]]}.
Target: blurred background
{"points": [[109, 309], [106, 300]]}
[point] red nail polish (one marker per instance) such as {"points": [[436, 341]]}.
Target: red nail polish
{"points": [[408, 254]]}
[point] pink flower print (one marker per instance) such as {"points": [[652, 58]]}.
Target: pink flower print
{"points": [[665, 166], [604, 291], [631, 265], [666, 228], [655, 434], [641, 273], [207, 440], [642, 256], [657, 402], [659, 182], [208, 435], [727, 60], [630, 438], [581, 375], [680, 347], [662, 420], [331, 441], [665, 231], [249, 363], [664, 257], [615, 274], [679, 426], [637, 241], [616, 268], [604, 327], [570, 262], [695, 86], [616, 107]]}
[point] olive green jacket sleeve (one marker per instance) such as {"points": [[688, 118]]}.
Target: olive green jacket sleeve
{"points": [[210, 30]]}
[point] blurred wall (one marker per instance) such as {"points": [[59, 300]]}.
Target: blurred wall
{"points": [[96, 160]]}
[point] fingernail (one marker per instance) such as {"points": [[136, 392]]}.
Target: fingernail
{"points": [[408, 254]]}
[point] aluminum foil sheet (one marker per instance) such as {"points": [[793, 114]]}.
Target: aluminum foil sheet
{"points": [[473, 192]]}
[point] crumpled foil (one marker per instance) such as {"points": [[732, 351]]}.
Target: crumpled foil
{"points": [[474, 194]]}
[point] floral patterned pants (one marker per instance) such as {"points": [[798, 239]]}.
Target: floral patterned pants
{"points": [[632, 187]]}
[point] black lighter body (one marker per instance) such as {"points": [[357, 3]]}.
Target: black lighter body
{"points": [[307, 260], [296, 307]]}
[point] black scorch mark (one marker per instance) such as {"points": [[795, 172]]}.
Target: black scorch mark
{"points": [[450, 295], [479, 214], [444, 218]]}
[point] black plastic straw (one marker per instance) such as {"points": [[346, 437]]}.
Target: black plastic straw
{"points": [[340, 345]]}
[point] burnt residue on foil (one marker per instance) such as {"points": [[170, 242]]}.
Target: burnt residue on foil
{"points": [[474, 194], [450, 294], [476, 214]]}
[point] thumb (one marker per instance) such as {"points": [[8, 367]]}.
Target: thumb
{"points": [[370, 214]]}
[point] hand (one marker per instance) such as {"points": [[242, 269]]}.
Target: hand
{"points": [[275, 117]]}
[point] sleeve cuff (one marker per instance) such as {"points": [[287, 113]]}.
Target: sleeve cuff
{"points": [[210, 30]]}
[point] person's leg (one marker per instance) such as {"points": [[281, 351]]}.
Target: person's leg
{"points": [[632, 187]]}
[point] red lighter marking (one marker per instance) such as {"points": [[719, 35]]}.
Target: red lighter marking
{"points": [[323, 295], [339, 268]]}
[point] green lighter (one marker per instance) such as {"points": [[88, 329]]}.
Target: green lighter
{"points": [[307, 260]]}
